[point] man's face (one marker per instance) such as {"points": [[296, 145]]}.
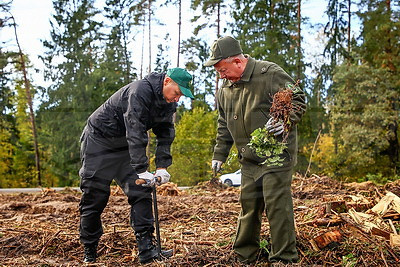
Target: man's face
{"points": [[171, 90], [231, 69]]}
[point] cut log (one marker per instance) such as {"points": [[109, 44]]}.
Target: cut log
{"points": [[327, 239], [359, 217], [389, 201]]}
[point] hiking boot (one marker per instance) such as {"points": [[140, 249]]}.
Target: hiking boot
{"points": [[148, 249], [90, 253]]}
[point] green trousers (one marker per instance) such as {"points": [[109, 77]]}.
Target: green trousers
{"points": [[272, 193]]}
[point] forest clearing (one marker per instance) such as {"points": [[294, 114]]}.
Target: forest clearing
{"points": [[337, 224]]}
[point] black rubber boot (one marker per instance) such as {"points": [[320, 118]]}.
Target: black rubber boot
{"points": [[90, 253], [148, 249]]}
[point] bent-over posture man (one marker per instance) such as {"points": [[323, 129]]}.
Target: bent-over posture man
{"points": [[243, 102], [113, 146]]}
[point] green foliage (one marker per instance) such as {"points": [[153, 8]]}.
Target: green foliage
{"points": [[264, 245], [193, 147], [6, 150], [162, 62], [203, 81], [23, 164], [75, 91], [349, 260], [324, 158], [88, 58], [277, 41], [380, 34], [211, 11], [378, 178], [123, 16], [265, 145], [363, 116]]}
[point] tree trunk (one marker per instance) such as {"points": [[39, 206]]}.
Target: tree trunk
{"points": [[128, 66], [299, 40], [141, 58], [218, 35], [30, 105], [149, 70], [349, 28], [179, 32], [148, 152]]}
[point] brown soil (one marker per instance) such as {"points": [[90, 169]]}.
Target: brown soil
{"points": [[199, 224]]}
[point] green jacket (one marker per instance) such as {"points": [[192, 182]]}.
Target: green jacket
{"points": [[244, 106]]}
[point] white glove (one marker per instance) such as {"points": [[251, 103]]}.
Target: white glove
{"points": [[216, 165], [148, 177], [273, 127], [163, 174]]}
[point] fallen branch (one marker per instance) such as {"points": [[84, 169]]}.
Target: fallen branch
{"points": [[48, 242], [312, 152], [189, 242]]}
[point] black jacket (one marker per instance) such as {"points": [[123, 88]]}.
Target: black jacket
{"points": [[129, 113]]}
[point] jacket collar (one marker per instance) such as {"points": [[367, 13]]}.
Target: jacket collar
{"points": [[156, 81]]}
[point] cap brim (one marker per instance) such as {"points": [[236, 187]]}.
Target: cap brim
{"points": [[212, 62], [186, 92]]}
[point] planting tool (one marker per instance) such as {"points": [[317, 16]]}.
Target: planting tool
{"points": [[155, 208]]}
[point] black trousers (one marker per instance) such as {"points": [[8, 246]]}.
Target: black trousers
{"points": [[105, 159]]}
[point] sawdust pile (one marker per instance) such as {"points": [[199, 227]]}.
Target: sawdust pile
{"points": [[199, 224]]}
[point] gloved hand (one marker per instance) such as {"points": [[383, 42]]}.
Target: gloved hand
{"points": [[148, 177], [216, 165], [273, 127], [163, 174]]}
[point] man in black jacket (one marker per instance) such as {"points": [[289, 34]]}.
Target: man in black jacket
{"points": [[113, 146]]}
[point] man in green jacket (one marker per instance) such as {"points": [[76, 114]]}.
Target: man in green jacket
{"points": [[243, 102]]}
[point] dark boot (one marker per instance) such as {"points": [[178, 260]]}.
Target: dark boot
{"points": [[90, 253], [148, 249]]}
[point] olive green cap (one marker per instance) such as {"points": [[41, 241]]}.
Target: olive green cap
{"points": [[182, 78], [223, 48]]}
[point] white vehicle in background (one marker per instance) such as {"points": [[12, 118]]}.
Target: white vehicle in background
{"points": [[232, 179]]}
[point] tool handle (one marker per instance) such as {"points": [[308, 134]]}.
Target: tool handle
{"points": [[214, 173], [143, 181]]}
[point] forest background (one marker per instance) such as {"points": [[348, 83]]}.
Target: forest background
{"points": [[350, 130]]}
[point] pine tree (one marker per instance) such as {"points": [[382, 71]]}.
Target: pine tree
{"points": [[162, 60], [123, 15], [268, 30], [71, 59], [365, 110], [7, 58], [337, 47], [211, 13], [197, 53]]}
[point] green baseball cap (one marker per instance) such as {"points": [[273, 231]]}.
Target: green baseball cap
{"points": [[223, 48], [182, 78]]}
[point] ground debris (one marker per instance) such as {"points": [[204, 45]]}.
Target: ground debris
{"points": [[354, 225]]}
